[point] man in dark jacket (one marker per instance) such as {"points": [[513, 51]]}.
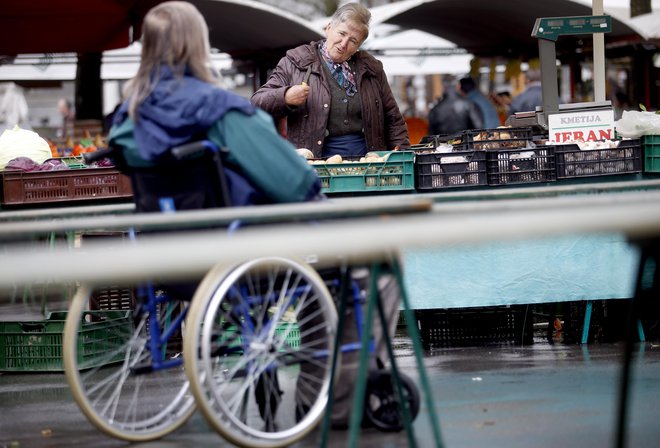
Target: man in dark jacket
{"points": [[453, 113], [531, 97], [335, 99]]}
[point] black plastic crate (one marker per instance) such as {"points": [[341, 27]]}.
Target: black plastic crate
{"points": [[573, 162], [607, 323], [475, 326], [521, 166], [434, 171], [112, 298], [498, 138]]}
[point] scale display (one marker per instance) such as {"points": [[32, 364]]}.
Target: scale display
{"points": [[550, 28]]}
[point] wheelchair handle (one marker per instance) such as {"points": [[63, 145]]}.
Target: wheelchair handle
{"points": [[193, 148], [99, 154]]}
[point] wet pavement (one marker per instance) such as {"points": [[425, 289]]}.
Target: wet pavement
{"points": [[540, 395]]}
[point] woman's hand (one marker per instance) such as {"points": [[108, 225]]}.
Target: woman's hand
{"points": [[296, 95]]}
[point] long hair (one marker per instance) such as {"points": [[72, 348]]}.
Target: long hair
{"points": [[358, 15], [174, 34]]}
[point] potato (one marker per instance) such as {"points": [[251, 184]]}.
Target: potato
{"points": [[306, 153]]}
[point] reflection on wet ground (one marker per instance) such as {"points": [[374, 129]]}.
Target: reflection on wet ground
{"points": [[541, 395]]}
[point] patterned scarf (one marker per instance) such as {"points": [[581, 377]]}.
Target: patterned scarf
{"points": [[341, 72]]}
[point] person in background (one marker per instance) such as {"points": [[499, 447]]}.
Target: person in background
{"points": [[531, 97], [453, 113], [502, 101], [175, 98], [65, 108], [334, 97], [13, 107], [469, 89], [620, 103]]}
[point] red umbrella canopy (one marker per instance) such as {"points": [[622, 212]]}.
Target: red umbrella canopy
{"points": [[61, 26]]}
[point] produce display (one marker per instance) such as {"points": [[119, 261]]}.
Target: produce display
{"points": [[17, 142], [583, 159], [86, 144], [377, 170]]}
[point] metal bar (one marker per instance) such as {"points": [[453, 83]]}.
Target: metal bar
{"points": [[343, 297], [190, 219], [60, 212], [357, 410], [548, 56], [161, 255], [404, 406], [599, 55], [413, 333], [587, 322]]}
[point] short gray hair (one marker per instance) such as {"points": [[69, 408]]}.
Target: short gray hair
{"points": [[355, 13]]}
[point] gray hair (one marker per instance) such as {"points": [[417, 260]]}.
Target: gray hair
{"points": [[355, 13], [174, 34]]}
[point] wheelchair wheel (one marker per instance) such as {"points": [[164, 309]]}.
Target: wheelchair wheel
{"points": [[102, 351], [263, 333], [382, 408]]}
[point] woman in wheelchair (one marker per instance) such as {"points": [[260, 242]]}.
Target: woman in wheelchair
{"points": [[232, 333], [175, 98]]}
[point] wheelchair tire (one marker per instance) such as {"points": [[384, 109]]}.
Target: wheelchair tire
{"points": [[382, 402], [263, 333]]}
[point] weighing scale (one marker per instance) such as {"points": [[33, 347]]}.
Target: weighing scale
{"points": [[547, 30]]}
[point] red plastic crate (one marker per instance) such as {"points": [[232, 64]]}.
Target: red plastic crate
{"points": [[42, 187]]}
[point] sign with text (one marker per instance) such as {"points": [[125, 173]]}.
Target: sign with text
{"points": [[587, 126]]}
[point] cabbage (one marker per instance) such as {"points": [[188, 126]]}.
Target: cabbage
{"points": [[19, 142]]}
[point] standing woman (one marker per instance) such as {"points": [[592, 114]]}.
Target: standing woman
{"points": [[334, 97]]}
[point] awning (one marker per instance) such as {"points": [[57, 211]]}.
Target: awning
{"points": [[60, 26], [414, 52], [488, 28], [242, 28]]}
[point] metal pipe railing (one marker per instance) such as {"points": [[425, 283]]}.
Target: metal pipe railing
{"points": [[184, 254]]}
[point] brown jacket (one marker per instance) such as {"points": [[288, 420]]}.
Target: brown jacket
{"points": [[384, 126]]}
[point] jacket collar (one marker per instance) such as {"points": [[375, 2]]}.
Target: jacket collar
{"points": [[306, 55]]}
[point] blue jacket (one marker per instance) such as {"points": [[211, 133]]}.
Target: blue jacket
{"points": [[488, 111], [179, 111]]}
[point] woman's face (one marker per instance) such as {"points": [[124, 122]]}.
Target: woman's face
{"points": [[343, 41]]}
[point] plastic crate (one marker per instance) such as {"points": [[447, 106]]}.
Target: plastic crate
{"points": [[112, 298], [475, 326], [573, 162], [435, 171], [289, 331], [521, 166], [498, 138], [396, 173], [36, 346], [73, 162], [41, 187], [651, 146]]}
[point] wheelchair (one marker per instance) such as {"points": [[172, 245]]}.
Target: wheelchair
{"points": [[253, 349]]}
